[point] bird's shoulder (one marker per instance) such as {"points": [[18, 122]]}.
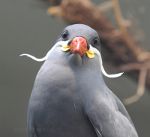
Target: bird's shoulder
{"points": [[109, 117]]}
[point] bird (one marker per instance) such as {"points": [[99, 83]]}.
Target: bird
{"points": [[70, 97]]}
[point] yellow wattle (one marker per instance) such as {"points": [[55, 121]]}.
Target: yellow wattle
{"points": [[90, 54], [65, 48]]}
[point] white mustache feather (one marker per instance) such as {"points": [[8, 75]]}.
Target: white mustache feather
{"points": [[101, 65], [34, 58], [65, 42], [46, 56]]}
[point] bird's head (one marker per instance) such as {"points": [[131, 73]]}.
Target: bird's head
{"points": [[80, 40], [77, 40]]}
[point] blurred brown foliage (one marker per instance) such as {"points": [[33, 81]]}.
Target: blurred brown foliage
{"points": [[128, 56]]}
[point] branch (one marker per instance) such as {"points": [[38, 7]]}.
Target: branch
{"points": [[140, 89], [118, 41]]}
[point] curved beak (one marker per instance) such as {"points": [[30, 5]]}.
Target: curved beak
{"points": [[78, 45]]}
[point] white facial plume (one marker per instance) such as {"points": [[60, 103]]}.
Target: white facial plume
{"points": [[65, 43], [101, 65], [46, 56]]}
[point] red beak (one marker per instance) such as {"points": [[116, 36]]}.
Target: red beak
{"points": [[79, 46]]}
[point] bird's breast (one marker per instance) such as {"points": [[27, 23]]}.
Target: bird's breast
{"points": [[55, 107]]}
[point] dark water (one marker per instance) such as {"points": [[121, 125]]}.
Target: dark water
{"points": [[25, 27]]}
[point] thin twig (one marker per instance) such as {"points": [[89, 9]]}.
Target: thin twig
{"points": [[134, 66], [105, 6], [55, 11], [121, 43], [130, 43], [119, 17], [140, 89]]}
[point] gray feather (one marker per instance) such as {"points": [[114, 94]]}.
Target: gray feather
{"points": [[70, 98]]}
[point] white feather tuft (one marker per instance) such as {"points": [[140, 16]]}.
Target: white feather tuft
{"points": [[102, 68], [46, 56], [34, 58]]}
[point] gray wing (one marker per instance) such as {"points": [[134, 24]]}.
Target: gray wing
{"points": [[109, 122], [121, 108]]}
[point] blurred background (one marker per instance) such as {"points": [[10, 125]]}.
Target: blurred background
{"points": [[25, 27]]}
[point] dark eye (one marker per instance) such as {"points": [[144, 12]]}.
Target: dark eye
{"points": [[95, 41], [65, 35]]}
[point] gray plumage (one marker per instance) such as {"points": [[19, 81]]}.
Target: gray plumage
{"points": [[71, 99]]}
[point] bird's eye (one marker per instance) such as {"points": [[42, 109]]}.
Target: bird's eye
{"points": [[65, 35], [95, 41]]}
